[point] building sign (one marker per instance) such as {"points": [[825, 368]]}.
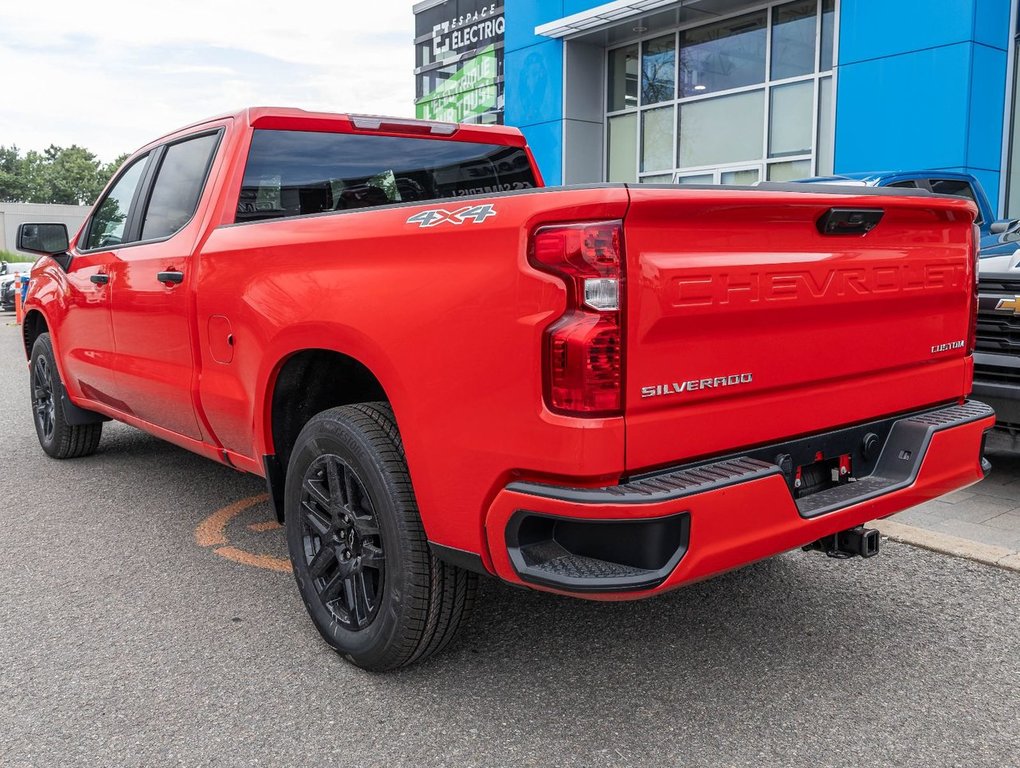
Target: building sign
{"points": [[459, 48]]}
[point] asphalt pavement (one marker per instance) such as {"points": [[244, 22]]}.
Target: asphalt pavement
{"points": [[146, 618]]}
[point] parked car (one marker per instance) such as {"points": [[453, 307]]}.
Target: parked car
{"points": [[8, 284], [441, 370], [7, 293]]}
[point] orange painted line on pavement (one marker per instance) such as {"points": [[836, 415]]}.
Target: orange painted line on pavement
{"points": [[212, 531], [268, 525], [259, 561]]}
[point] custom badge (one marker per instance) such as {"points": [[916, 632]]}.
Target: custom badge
{"points": [[433, 217]]}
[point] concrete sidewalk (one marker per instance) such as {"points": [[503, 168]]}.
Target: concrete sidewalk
{"points": [[981, 522]]}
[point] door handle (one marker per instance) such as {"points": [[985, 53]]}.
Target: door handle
{"points": [[170, 277], [99, 279]]}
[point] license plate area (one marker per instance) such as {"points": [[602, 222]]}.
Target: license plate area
{"points": [[822, 474]]}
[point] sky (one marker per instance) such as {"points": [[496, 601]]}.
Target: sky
{"points": [[111, 75]]}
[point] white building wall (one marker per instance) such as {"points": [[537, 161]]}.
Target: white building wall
{"points": [[13, 214]]}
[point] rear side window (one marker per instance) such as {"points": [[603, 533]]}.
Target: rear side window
{"points": [[295, 173], [107, 228], [904, 184], [957, 188], [178, 186]]}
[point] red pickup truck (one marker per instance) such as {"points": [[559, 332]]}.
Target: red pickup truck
{"points": [[442, 370]]}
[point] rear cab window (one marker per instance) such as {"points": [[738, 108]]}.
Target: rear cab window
{"points": [[298, 173]]}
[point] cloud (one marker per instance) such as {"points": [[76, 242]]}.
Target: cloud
{"points": [[111, 78]]}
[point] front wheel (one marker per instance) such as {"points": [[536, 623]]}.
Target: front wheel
{"points": [[57, 438], [361, 559]]}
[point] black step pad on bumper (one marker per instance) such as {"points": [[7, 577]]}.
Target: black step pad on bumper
{"points": [[899, 461]]}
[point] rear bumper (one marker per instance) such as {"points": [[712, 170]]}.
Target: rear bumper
{"points": [[664, 530]]}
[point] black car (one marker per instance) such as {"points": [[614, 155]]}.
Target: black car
{"points": [[7, 289]]}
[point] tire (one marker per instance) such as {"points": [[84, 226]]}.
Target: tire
{"points": [[362, 562], [57, 438]]}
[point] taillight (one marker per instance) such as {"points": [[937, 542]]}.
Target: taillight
{"points": [[974, 299], [583, 360]]}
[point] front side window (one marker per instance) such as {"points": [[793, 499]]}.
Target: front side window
{"points": [[297, 173], [106, 229], [179, 184]]}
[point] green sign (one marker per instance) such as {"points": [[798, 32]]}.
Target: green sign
{"points": [[469, 92]]}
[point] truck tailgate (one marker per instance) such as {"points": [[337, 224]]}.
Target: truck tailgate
{"points": [[747, 325]]}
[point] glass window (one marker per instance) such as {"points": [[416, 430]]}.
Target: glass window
{"points": [[790, 117], [726, 129], [178, 186], [657, 139], [623, 78], [957, 188], [828, 25], [294, 173], [727, 54], [697, 178], [744, 177], [622, 148], [794, 169], [793, 39], [662, 178], [904, 185], [825, 140], [658, 69], [106, 229]]}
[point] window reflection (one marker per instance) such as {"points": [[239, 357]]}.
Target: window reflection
{"points": [[623, 76], [658, 70], [728, 54], [793, 39]]}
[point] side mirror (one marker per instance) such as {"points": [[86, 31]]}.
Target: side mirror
{"points": [[47, 239], [1003, 225]]}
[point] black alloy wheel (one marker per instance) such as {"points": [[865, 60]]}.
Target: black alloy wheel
{"points": [[42, 399], [342, 544], [362, 562], [57, 437]]}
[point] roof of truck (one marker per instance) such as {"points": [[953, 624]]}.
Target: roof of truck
{"points": [[290, 118]]}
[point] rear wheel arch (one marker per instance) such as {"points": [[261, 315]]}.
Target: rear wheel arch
{"points": [[33, 326], [305, 383]]}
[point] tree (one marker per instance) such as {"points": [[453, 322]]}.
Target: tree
{"points": [[70, 175]]}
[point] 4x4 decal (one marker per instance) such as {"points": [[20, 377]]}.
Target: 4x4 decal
{"points": [[435, 216]]}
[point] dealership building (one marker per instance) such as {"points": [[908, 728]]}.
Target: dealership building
{"points": [[733, 92]]}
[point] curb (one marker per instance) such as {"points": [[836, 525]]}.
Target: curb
{"points": [[949, 545]]}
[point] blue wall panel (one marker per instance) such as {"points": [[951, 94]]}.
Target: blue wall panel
{"points": [[987, 105], [904, 112], [991, 23], [522, 16], [871, 29], [537, 95], [546, 142], [570, 7]]}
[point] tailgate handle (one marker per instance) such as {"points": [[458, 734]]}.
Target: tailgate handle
{"points": [[849, 221]]}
